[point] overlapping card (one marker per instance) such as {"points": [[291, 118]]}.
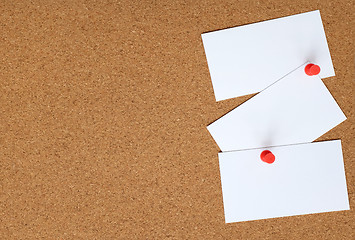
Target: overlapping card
{"points": [[292, 110], [296, 109]]}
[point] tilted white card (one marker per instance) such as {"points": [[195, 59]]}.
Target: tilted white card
{"points": [[305, 178], [247, 59], [296, 109]]}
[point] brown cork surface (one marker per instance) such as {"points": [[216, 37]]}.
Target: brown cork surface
{"points": [[103, 114]]}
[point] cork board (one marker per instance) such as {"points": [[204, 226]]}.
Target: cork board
{"points": [[103, 114]]}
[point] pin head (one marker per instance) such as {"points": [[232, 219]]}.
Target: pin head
{"points": [[267, 156], [312, 69]]}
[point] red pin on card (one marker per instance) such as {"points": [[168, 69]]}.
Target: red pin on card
{"points": [[267, 156], [312, 69]]}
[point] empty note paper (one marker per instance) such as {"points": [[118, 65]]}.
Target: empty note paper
{"points": [[247, 59], [296, 109], [305, 178]]}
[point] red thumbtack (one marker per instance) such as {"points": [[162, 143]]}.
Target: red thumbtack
{"points": [[312, 69], [267, 156]]}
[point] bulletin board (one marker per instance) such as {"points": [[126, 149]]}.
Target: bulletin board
{"points": [[103, 114]]}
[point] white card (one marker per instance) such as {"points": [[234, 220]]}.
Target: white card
{"points": [[296, 109], [305, 178], [247, 59]]}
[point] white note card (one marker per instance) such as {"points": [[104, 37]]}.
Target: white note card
{"points": [[305, 178], [296, 109], [247, 59]]}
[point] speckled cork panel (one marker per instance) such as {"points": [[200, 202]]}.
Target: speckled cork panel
{"points": [[103, 114]]}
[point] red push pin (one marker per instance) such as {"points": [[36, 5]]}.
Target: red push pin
{"points": [[312, 69], [267, 156]]}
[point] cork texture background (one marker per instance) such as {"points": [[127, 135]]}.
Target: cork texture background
{"points": [[103, 114]]}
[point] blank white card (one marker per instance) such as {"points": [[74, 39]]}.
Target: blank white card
{"points": [[247, 59], [305, 178], [296, 109]]}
